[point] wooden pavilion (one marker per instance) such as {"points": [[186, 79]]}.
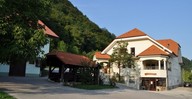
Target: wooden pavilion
{"points": [[67, 67]]}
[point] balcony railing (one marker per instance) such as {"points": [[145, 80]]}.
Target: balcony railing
{"points": [[151, 67]]}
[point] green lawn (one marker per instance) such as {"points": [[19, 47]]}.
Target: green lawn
{"points": [[94, 87], [4, 95]]}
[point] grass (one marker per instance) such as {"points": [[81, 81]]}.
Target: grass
{"points": [[4, 95], [93, 87]]}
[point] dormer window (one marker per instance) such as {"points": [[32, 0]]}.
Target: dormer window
{"points": [[133, 51]]}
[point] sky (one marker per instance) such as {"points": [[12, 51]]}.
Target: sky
{"points": [[160, 19]]}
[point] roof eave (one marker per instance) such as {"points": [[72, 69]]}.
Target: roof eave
{"points": [[121, 39], [163, 47], [153, 55]]}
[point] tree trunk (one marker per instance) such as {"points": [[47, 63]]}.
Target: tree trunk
{"points": [[17, 67], [119, 71]]}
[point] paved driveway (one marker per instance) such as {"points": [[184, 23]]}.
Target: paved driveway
{"points": [[41, 88]]}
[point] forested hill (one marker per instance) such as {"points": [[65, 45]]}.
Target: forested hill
{"points": [[187, 64], [77, 33]]}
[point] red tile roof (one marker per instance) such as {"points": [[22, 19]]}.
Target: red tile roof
{"points": [[71, 59], [153, 50], [47, 30], [171, 45], [133, 33], [101, 56]]}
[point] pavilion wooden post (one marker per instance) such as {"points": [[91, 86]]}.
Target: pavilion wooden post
{"points": [[49, 71], [62, 73]]}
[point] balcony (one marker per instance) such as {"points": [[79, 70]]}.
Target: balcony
{"points": [[153, 68]]}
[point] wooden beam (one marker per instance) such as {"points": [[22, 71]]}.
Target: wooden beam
{"points": [[62, 73]]}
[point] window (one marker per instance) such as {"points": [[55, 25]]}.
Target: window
{"points": [[133, 51]]}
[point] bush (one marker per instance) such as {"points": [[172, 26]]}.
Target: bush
{"points": [[87, 77]]}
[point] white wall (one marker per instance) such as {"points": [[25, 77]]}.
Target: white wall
{"points": [[31, 69], [140, 46], [154, 73], [45, 48], [4, 69]]}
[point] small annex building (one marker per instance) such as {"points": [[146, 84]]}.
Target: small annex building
{"points": [[32, 67], [67, 67]]}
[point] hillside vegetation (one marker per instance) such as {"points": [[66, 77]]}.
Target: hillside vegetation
{"points": [[77, 33], [187, 69]]}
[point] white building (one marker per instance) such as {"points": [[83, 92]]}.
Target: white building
{"points": [[32, 67], [157, 61]]}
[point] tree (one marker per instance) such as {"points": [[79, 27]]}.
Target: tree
{"points": [[121, 57], [20, 36], [61, 46], [187, 64], [186, 69]]}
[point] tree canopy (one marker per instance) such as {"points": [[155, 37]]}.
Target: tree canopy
{"points": [[20, 35], [187, 69], [121, 56], [187, 64]]}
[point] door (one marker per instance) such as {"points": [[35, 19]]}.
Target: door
{"points": [[152, 84], [148, 84]]}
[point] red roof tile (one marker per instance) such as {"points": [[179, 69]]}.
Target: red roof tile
{"points": [[133, 33], [171, 45], [71, 59], [47, 30], [101, 56], [153, 50]]}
